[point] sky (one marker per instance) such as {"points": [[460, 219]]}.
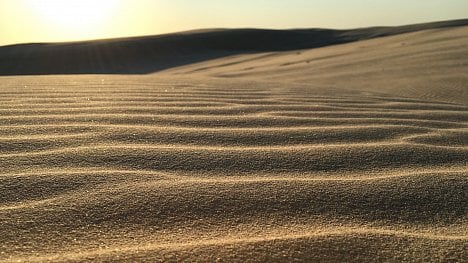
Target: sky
{"points": [[26, 21]]}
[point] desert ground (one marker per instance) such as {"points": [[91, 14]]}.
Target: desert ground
{"points": [[352, 152]]}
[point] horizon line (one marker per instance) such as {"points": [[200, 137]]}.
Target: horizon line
{"points": [[194, 30]]}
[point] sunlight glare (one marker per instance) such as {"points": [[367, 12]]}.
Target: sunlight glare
{"points": [[77, 16]]}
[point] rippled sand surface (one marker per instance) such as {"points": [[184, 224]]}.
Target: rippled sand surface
{"points": [[180, 167]]}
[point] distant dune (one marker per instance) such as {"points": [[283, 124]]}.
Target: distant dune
{"points": [[155, 53], [253, 151], [429, 64]]}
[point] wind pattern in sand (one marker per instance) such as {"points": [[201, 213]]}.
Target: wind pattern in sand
{"points": [[149, 168]]}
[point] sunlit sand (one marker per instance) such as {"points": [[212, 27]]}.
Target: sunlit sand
{"points": [[352, 152]]}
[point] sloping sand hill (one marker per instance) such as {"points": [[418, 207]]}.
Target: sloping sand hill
{"points": [[430, 64], [149, 54], [356, 152]]}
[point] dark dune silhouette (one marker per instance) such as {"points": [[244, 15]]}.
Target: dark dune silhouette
{"points": [[140, 55]]}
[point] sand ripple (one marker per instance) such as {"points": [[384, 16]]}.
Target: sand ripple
{"points": [[151, 169]]}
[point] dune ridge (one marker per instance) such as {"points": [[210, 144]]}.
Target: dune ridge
{"points": [[141, 55]]}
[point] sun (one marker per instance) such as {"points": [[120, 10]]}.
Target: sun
{"points": [[79, 18]]}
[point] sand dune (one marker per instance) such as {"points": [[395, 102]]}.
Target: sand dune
{"points": [[428, 65], [140, 55], [324, 161]]}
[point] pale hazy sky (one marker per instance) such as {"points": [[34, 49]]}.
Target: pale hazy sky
{"points": [[64, 20]]}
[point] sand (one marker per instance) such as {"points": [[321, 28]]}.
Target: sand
{"points": [[355, 152], [149, 54]]}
